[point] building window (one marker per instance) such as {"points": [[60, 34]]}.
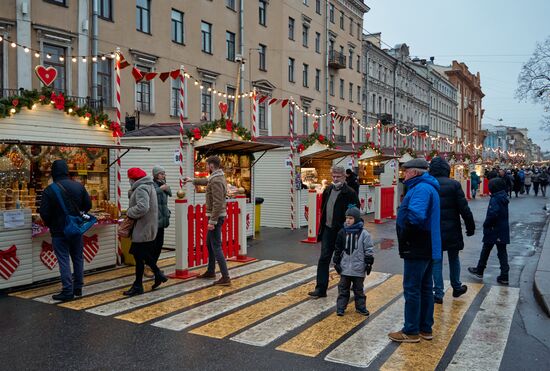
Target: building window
{"points": [[230, 46], [306, 2], [358, 63], [331, 85], [230, 4], [350, 62], [106, 9], [55, 52], [317, 42], [342, 20], [341, 88], [305, 121], [385, 105], [105, 82], [318, 6], [177, 26], [379, 104], [331, 12], [230, 101], [350, 92], [305, 35], [317, 79], [143, 15], [373, 109], [305, 74], [58, 2], [262, 117], [291, 28], [359, 94], [262, 61], [1, 69], [175, 97], [206, 37], [143, 92], [359, 31], [206, 102], [351, 26], [262, 12], [291, 69]]}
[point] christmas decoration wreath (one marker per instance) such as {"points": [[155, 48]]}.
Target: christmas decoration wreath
{"points": [[310, 139], [226, 124]]}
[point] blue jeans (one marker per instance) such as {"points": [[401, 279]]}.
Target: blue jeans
{"points": [[215, 251], [66, 250], [474, 190], [454, 273], [419, 297]]}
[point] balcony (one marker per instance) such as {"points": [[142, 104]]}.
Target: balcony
{"points": [[94, 104], [336, 60], [385, 118]]}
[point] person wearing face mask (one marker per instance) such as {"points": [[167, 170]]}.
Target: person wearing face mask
{"points": [[336, 200]]}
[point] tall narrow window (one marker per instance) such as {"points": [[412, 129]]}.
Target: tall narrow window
{"points": [[105, 82], [1, 71], [291, 28], [177, 26], [206, 37], [331, 85], [317, 79], [262, 12], [318, 6], [358, 63], [341, 88], [291, 69], [305, 121], [230, 100], [331, 12], [262, 117], [350, 92], [342, 20], [317, 42], [350, 61], [143, 92], [358, 94], [230, 4], [175, 98], [106, 9], [262, 57], [305, 73], [230, 46], [206, 102], [143, 15], [305, 35], [351, 26], [55, 52]]}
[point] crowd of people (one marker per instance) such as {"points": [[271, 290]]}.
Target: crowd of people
{"points": [[518, 181]]}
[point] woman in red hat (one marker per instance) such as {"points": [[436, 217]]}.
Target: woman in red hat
{"points": [[143, 209]]}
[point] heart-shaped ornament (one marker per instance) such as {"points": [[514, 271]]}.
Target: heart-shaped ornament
{"points": [[47, 255], [46, 75], [91, 247], [223, 108]]}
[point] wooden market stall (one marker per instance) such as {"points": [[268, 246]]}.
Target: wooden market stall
{"points": [[238, 157], [30, 140], [272, 179], [375, 168]]}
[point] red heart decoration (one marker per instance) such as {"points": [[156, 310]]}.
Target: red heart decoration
{"points": [[15, 102], [223, 108], [46, 75], [9, 262], [91, 247], [47, 255]]}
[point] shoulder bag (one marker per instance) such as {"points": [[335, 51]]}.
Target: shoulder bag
{"points": [[75, 225]]}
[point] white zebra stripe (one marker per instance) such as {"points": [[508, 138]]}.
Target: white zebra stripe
{"points": [[165, 293], [485, 341], [204, 312], [276, 327]]}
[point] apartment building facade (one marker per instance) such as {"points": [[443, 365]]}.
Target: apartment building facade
{"points": [[307, 50]]}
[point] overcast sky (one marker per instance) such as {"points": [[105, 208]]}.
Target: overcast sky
{"points": [[494, 37]]}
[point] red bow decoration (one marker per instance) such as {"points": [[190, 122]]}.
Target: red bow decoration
{"points": [[197, 133], [228, 125], [368, 136], [58, 100], [300, 147], [117, 131], [9, 253], [321, 138]]}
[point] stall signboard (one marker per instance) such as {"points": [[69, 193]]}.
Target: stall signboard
{"points": [[14, 219]]}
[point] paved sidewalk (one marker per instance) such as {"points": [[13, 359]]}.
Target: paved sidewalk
{"points": [[541, 285]]}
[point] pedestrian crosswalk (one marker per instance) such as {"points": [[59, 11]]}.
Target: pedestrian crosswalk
{"points": [[267, 306]]}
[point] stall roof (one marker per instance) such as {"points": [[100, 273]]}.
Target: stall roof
{"points": [[234, 145], [318, 151], [62, 144]]}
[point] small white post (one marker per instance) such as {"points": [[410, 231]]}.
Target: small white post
{"points": [[182, 231], [242, 256], [395, 200], [377, 204], [312, 217]]}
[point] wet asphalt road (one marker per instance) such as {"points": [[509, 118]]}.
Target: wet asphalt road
{"points": [[40, 336]]}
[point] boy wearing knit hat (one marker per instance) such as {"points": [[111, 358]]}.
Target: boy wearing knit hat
{"points": [[353, 257]]}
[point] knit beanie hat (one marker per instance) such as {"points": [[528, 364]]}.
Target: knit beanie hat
{"points": [[136, 173], [158, 169], [355, 213]]}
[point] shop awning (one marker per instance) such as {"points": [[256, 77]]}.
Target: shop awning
{"points": [[318, 151], [61, 144], [237, 146]]}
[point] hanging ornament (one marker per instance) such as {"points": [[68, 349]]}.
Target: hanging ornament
{"points": [[91, 247], [229, 125], [315, 125], [46, 75], [223, 108], [9, 262], [321, 138], [197, 134], [47, 255], [15, 102]]}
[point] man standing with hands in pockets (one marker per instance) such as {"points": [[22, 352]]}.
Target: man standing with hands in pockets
{"points": [[216, 189]]}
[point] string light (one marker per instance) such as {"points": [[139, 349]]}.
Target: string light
{"points": [[26, 49], [103, 58], [49, 56], [37, 55], [12, 110], [13, 45], [73, 59], [94, 59], [83, 59], [61, 58]]}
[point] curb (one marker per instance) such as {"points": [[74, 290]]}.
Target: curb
{"points": [[541, 283]]}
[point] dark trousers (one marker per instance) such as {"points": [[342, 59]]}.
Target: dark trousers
{"points": [[419, 297], [502, 257], [543, 189], [344, 293], [327, 249], [215, 252], [536, 188], [527, 188], [159, 242], [66, 250], [143, 254]]}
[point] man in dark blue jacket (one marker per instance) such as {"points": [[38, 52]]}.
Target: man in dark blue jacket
{"points": [[66, 249], [496, 230], [419, 238]]}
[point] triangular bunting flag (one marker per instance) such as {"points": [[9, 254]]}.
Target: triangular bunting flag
{"points": [[175, 74], [150, 76], [262, 99], [138, 75], [284, 102], [272, 100], [163, 76]]}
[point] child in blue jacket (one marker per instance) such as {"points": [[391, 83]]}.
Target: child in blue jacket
{"points": [[353, 257], [496, 230]]}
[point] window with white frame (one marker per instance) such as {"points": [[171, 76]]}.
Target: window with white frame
{"points": [[230, 4], [206, 37], [230, 100], [291, 28], [177, 26], [206, 101], [262, 115], [51, 55], [106, 9], [291, 69], [331, 85], [305, 35], [143, 92], [262, 66], [143, 15], [305, 73], [341, 20], [105, 82], [175, 97], [350, 62], [262, 12], [358, 94], [331, 12], [1, 69], [317, 79], [350, 92], [341, 88], [230, 46], [317, 42], [305, 121], [318, 6]]}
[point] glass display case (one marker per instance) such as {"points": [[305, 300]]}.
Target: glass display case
{"points": [[237, 169]]}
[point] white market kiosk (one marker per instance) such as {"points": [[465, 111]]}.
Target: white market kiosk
{"points": [[238, 159], [29, 142], [272, 180]]}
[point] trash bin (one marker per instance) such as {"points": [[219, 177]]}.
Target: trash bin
{"points": [[257, 221], [125, 243]]}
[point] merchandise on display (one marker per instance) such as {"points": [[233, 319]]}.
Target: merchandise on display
{"points": [[237, 169]]}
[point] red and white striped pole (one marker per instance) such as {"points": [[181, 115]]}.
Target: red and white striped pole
{"points": [[292, 180], [352, 123], [395, 141], [379, 132], [117, 141], [333, 129], [181, 110], [254, 117]]}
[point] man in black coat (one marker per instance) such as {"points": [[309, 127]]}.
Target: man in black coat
{"points": [[352, 181], [453, 205], [66, 249], [336, 200]]}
